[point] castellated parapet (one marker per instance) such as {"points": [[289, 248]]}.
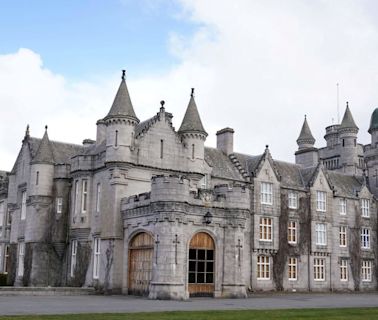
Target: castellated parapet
{"points": [[176, 188]]}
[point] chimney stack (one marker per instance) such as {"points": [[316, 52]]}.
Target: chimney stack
{"points": [[225, 140]]}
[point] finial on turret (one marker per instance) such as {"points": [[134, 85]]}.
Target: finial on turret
{"points": [[27, 132], [46, 127], [305, 116], [267, 146], [162, 102], [347, 104], [192, 93], [123, 74]]}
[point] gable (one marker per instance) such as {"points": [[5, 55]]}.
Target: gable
{"points": [[266, 172], [320, 182]]}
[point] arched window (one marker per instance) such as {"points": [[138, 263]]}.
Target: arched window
{"points": [[193, 150]]}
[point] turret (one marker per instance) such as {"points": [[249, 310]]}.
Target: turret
{"points": [[42, 168], [307, 154], [120, 126], [348, 131], [373, 129], [193, 136]]}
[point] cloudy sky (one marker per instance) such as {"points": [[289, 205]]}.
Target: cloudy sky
{"points": [[257, 66]]}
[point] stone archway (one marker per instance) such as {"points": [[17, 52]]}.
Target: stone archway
{"points": [[201, 268], [141, 250]]}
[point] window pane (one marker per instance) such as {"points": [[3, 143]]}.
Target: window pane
{"points": [[209, 278], [200, 278], [210, 255], [192, 266], [201, 254], [192, 254], [192, 278]]}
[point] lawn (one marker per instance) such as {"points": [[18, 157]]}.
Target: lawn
{"points": [[325, 314]]}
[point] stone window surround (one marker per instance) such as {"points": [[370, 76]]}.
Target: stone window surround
{"points": [[292, 232], [293, 268], [366, 267], [343, 206], [263, 267], [343, 236], [365, 238], [319, 269], [293, 200], [266, 193], [321, 234], [266, 229], [96, 257], [365, 208], [343, 270], [21, 256], [321, 201], [73, 257]]}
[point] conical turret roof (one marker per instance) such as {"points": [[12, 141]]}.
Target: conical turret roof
{"points": [[306, 135], [373, 121], [192, 121], [44, 153], [122, 106], [348, 121]]}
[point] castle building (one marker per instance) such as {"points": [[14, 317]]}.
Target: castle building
{"points": [[148, 210]]}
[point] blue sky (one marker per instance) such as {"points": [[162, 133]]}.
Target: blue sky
{"points": [[86, 37]]}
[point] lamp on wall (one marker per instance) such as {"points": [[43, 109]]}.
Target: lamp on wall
{"points": [[208, 217]]}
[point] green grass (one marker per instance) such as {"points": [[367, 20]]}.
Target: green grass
{"points": [[325, 314]]}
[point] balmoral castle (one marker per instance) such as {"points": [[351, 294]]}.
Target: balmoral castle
{"points": [[148, 210]]}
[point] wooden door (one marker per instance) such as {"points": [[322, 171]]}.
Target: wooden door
{"points": [[201, 266], [140, 264]]}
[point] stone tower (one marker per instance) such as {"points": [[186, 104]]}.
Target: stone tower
{"points": [[307, 154], [120, 126], [348, 131], [371, 154], [193, 136]]}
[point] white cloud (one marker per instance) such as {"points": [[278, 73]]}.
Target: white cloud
{"points": [[257, 66]]}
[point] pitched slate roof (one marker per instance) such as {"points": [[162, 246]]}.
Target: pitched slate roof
{"points": [[221, 164], [62, 151], [122, 106], [346, 186], [348, 121], [250, 163], [290, 174], [306, 134], [192, 121], [308, 174]]}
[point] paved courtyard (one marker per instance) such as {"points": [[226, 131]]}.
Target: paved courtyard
{"points": [[26, 304]]}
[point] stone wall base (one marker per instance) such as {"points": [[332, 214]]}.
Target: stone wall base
{"points": [[167, 291]]}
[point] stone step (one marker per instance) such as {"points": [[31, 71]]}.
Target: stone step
{"points": [[48, 291]]}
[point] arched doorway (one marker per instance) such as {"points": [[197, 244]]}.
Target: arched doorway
{"points": [[141, 250], [201, 265]]}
